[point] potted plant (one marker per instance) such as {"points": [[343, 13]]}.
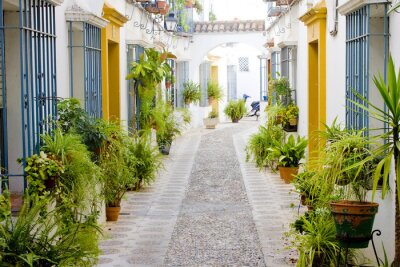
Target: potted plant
{"points": [[211, 121], [214, 92], [289, 153], [191, 92], [169, 79], [116, 174], [189, 3], [344, 170], [290, 118], [235, 110], [258, 147], [198, 6], [42, 172], [166, 136]]}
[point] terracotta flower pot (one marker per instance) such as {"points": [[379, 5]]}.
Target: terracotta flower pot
{"points": [[168, 85], [164, 11], [112, 213], [189, 3], [288, 173], [161, 4], [354, 221]]}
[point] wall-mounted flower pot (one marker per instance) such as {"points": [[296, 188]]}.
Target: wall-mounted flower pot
{"points": [[189, 3], [289, 128], [168, 85], [152, 8], [293, 122], [164, 11], [210, 123], [164, 148], [161, 4], [354, 221], [288, 173], [112, 213]]}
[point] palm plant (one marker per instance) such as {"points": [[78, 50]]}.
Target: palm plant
{"points": [[390, 149], [214, 92]]}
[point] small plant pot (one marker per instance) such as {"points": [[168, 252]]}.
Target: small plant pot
{"points": [[354, 221], [289, 128], [288, 173], [210, 123], [168, 85], [189, 3], [112, 213], [164, 149], [161, 4], [235, 120], [152, 8], [303, 199], [164, 11]]}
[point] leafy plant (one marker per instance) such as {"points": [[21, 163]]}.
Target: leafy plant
{"points": [[317, 245], [214, 91], [186, 115], [235, 109], [70, 113], [147, 161], [39, 170], [38, 237], [213, 115], [191, 92], [280, 90], [274, 114], [172, 127], [76, 188], [198, 6], [117, 164], [291, 112], [290, 152], [390, 149], [259, 144]]}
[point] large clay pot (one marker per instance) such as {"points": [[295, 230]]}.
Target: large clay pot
{"points": [[288, 173], [112, 213], [354, 221]]}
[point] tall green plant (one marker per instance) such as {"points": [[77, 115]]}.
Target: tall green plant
{"points": [[191, 92], [149, 72], [38, 237], [214, 91], [390, 149]]}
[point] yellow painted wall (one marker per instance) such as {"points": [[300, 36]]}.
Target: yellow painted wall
{"points": [[110, 39], [315, 19]]}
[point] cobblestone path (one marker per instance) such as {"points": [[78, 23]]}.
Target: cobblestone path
{"points": [[208, 208], [215, 226]]}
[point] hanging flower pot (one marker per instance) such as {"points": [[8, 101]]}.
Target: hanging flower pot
{"points": [[161, 4], [293, 121], [164, 11], [152, 8], [288, 173], [189, 3], [354, 221], [168, 84]]}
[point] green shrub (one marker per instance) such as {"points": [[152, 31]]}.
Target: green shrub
{"points": [[290, 151], [38, 237], [191, 92], [214, 91], [235, 109]]}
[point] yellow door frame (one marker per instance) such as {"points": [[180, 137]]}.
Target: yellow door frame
{"points": [[315, 20], [110, 45], [214, 79]]}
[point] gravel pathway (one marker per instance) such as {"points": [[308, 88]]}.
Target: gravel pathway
{"points": [[215, 225]]}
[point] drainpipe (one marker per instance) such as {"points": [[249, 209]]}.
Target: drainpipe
{"points": [[335, 28]]}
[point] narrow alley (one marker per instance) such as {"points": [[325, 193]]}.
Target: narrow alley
{"points": [[208, 207]]}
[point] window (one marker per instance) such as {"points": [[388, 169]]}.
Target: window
{"points": [[28, 83], [244, 64], [275, 64], [85, 66], [366, 55], [263, 78], [288, 67], [171, 85], [205, 77], [232, 82], [182, 76], [134, 53]]}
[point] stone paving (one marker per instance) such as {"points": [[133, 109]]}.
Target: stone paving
{"points": [[208, 207]]}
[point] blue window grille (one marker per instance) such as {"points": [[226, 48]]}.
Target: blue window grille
{"points": [[232, 82], [28, 51], [205, 77], [289, 68], [134, 52], [275, 64], [171, 91], [263, 79], [367, 39], [85, 66], [182, 76]]}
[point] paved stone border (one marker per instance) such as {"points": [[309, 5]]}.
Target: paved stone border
{"points": [[142, 234], [272, 205]]}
